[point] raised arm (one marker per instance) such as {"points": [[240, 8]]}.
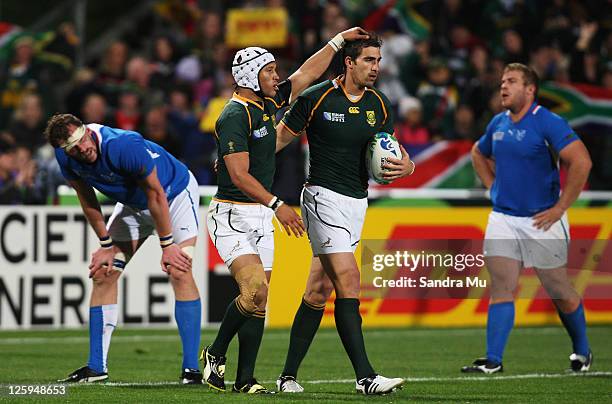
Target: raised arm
{"points": [[284, 136], [316, 65], [157, 202]]}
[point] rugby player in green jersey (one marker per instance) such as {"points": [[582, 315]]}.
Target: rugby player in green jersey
{"points": [[340, 116], [240, 215]]}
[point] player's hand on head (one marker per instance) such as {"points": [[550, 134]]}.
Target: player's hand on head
{"points": [[545, 219], [173, 257], [102, 259], [397, 168], [354, 34], [290, 220]]}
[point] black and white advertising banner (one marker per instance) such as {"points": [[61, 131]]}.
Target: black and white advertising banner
{"points": [[44, 255]]}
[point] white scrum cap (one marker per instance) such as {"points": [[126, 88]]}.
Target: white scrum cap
{"points": [[247, 64]]}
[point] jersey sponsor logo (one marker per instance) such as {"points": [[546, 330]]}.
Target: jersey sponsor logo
{"points": [[265, 117], [518, 134], [333, 117], [153, 154], [110, 177], [498, 136], [371, 118], [353, 110], [261, 132]]}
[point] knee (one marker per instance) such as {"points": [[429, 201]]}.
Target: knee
{"points": [[101, 279], [177, 276], [253, 289], [318, 293], [261, 297]]}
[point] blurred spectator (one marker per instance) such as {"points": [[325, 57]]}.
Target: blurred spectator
{"points": [[439, 97], [18, 176], [111, 73], [164, 59], [156, 129], [21, 74], [138, 79], [128, 116], [463, 127], [28, 124], [513, 48], [83, 83], [410, 130], [583, 66], [198, 149], [95, 110]]}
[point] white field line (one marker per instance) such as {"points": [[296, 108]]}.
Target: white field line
{"points": [[407, 379], [391, 333]]}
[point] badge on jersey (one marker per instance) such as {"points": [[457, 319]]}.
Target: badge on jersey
{"points": [[371, 118]]}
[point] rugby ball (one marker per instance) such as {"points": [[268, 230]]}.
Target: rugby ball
{"points": [[380, 148]]}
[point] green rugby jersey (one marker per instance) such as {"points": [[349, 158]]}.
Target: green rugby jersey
{"points": [[249, 126], [338, 132]]}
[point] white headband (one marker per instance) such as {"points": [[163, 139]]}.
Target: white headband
{"points": [[73, 139]]}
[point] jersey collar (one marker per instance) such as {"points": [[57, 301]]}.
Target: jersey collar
{"points": [[337, 82], [245, 101]]}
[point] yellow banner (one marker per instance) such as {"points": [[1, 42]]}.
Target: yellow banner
{"points": [[293, 256], [265, 27]]}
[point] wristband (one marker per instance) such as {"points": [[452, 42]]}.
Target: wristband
{"points": [[278, 205], [337, 42], [165, 241], [106, 242], [272, 201]]}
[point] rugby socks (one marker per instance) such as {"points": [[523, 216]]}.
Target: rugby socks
{"points": [[500, 321], [235, 316], [249, 340], [188, 315], [305, 325], [348, 324], [102, 323], [575, 324]]}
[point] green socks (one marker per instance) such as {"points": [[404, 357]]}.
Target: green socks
{"points": [[235, 316], [305, 326], [348, 324], [249, 338]]}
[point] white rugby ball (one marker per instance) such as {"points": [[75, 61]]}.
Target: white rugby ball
{"points": [[380, 148]]}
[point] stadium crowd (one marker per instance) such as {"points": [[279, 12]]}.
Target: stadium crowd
{"points": [[168, 77]]}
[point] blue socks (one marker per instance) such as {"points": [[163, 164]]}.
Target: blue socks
{"points": [[500, 321], [188, 316], [96, 330], [575, 324]]}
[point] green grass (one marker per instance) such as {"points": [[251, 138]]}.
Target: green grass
{"points": [[534, 366]]}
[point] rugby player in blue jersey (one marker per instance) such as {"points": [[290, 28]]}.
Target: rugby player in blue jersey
{"points": [[517, 159], [154, 192]]}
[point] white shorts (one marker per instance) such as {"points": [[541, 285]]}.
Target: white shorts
{"points": [[127, 223], [516, 237], [333, 221], [239, 229]]}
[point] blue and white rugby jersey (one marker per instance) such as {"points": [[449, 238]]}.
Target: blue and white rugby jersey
{"points": [[526, 159], [124, 157]]}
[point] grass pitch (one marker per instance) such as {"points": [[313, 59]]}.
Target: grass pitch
{"points": [[145, 365]]}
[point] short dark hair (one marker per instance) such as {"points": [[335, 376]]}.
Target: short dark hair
{"points": [[530, 77], [352, 49], [56, 131]]}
